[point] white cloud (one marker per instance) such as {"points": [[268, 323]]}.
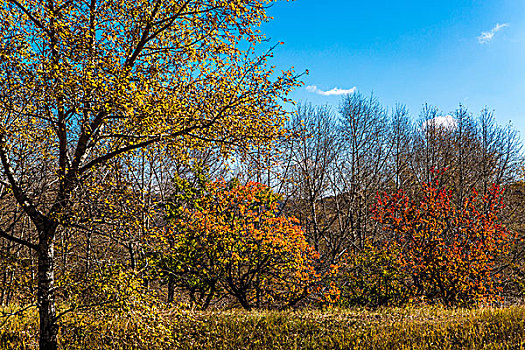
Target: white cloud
{"points": [[485, 37], [334, 92], [446, 122]]}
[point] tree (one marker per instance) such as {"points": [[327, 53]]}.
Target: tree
{"points": [[449, 251], [225, 238], [310, 158], [476, 151], [401, 139], [366, 152], [83, 83]]}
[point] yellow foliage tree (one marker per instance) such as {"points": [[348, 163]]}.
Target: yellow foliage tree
{"points": [[84, 82]]}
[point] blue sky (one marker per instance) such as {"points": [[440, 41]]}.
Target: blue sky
{"points": [[413, 52]]}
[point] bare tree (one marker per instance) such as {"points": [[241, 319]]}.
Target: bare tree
{"points": [[366, 154]]}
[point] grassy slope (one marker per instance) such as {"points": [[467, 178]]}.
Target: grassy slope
{"points": [[415, 328]]}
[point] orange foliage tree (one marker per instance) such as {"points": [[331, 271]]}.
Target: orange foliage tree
{"points": [[450, 252], [225, 238]]}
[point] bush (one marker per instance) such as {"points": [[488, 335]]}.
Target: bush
{"points": [[450, 252], [374, 277], [225, 238]]}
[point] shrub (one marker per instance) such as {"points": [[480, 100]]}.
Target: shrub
{"points": [[373, 277], [225, 238], [450, 252]]}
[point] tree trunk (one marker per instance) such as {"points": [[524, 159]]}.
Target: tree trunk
{"points": [[46, 294], [171, 289]]}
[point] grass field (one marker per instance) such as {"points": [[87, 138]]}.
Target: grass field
{"points": [[394, 328]]}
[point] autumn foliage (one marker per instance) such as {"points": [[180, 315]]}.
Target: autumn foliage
{"points": [[448, 251], [225, 238]]}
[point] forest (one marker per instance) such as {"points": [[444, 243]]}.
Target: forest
{"points": [[157, 193]]}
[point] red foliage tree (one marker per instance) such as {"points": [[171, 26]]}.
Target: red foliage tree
{"points": [[450, 252]]}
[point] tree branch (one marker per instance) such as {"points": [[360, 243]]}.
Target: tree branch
{"points": [[144, 143], [22, 199], [30, 15], [21, 241], [144, 38]]}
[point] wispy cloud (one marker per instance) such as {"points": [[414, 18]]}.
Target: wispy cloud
{"points": [[334, 92], [485, 37]]}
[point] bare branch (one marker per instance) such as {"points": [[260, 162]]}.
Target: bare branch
{"points": [[18, 240]]}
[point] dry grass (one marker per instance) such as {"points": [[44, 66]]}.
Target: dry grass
{"points": [[393, 328]]}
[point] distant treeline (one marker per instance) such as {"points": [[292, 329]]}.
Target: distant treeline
{"points": [[360, 206]]}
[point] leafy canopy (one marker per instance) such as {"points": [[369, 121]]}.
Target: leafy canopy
{"points": [[227, 238], [450, 252]]}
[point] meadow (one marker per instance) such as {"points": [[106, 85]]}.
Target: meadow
{"points": [[423, 327]]}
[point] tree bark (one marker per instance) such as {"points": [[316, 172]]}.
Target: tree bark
{"points": [[46, 294], [171, 289]]}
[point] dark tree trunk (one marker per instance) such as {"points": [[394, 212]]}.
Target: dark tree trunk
{"points": [[46, 293], [171, 289]]}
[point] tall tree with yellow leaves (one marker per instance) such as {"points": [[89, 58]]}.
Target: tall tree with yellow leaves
{"points": [[84, 82]]}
